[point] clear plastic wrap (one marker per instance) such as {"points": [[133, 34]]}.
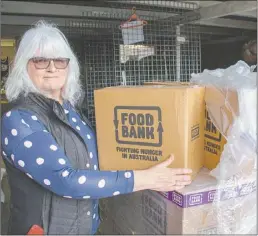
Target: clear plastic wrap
{"points": [[237, 76], [236, 118]]}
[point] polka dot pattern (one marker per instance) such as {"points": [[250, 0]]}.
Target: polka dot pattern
{"points": [[61, 161], [128, 175], [39, 156], [29, 176], [47, 182], [116, 193], [24, 123], [40, 161], [34, 118], [102, 183], [6, 141], [21, 163], [28, 144], [82, 180], [65, 173], [53, 147], [14, 132]]}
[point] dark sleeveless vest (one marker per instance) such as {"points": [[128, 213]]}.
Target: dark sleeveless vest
{"points": [[31, 203]]}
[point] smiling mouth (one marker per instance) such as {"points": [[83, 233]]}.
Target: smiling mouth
{"points": [[50, 77]]}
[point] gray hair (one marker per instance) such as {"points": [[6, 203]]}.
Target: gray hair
{"points": [[44, 40]]}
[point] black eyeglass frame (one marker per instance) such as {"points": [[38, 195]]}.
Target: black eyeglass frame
{"points": [[48, 60]]}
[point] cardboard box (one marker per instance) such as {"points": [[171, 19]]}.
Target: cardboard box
{"points": [[235, 108], [189, 211], [138, 127], [214, 143], [110, 227]]}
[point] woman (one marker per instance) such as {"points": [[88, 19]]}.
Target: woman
{"points": [[50, 149]]}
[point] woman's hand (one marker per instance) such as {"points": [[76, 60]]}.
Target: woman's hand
{"points": [[162, 178]]}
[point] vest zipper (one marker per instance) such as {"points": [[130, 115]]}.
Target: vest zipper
{"points": [[77, 134]]}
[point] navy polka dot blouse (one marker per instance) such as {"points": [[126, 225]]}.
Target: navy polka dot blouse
{"points": [[29, 146]]}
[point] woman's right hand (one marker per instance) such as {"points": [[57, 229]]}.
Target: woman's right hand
{"points": [[162, 178]]}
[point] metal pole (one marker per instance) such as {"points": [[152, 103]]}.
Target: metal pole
{"points": [[178, 54]]}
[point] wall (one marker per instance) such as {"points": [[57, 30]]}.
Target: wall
{"points": [[221, 55]]}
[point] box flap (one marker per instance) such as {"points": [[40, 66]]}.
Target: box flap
{"points": [[223, 107]]}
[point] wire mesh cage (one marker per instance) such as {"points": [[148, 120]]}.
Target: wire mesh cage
{"points": [[135, 42]]}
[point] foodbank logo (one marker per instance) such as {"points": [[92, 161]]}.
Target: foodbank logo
{"points": [[138, 125]]}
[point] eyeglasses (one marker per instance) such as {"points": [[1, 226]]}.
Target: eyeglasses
{"points": [[43, 63]]}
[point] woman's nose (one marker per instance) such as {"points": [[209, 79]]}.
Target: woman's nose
{"points": [[51, 66]]}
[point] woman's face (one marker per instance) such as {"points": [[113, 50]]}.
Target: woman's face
{"points": [[48, 75]]}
